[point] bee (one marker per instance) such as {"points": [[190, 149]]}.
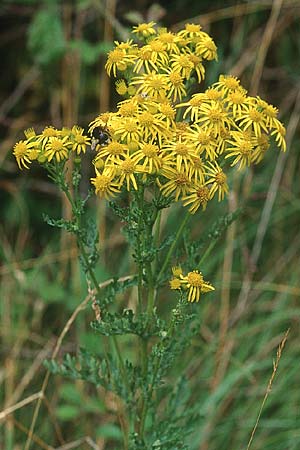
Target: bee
{"points": [[101, 136]]}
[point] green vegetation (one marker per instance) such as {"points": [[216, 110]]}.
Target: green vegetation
{"points": [[54, 55]]}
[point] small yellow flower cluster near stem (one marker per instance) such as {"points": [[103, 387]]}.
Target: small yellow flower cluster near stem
{"points": [[159, 133], [50, 145], [193, 281]]}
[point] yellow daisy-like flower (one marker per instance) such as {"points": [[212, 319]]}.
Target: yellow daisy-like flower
{"points": [[176, 271], [197, 171], [176, 87], [169, 39], [121, 87], [167, 114], [191, 30], [154, 85], [46, 134], [79, 140], [175, 283], [149, 157], [145, 61], [242, 148], [206, 48], [237, 102], [126, 169], [279, 133], [118, 59], [217, 180], [198, 196], [263, 144], [203, 140], [196, 285], [197, 66], [57, 148], [127, 129], [254, 119], [104, 185], [182, 153], [193, 105], [181, 63], [112, 151], [21, 152], [158, 51], [101, 121], [227, 83], [213, 117], [179, 182], [151, 127], [144, 29]]}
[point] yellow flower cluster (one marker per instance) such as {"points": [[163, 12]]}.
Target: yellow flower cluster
{"points": [[160, 134], [193, 281], [51, 144]]}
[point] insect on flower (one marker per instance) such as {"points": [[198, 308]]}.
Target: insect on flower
{"points": [[100, 135]]}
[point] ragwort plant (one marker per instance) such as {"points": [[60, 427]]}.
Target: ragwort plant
{"points": [[166, 143]]}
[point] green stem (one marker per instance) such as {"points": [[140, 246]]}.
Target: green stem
{"points": [[173, 246]]}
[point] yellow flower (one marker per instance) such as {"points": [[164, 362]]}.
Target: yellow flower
{"points": [[169, 39], [149, 157], [206, 47], [46, 134], [197, 170], [193, 106], [154, 85], [21, 151], [104, 185], [181, 63], [118, 59], [197, 66], [237, 102], [203, 140], [176, 271], [217, 180], [176, 87], [254, 119], [58, 148], [242, 147], [126, 168], [144, 61], [144, 29], [196, 285], [127, 129], [198, 196], [179, 182], [191, 30], [182, 153], [112, 151], [79, 140], [213, 117], [227, 83], [121, 87], [279, 134], [175, 283], [263, 144]]}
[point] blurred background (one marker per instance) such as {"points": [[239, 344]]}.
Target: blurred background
{"points": [[52, 58]]}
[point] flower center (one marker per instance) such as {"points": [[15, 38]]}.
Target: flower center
{"points": [[203, 194], [127, 166], [195, 279]]}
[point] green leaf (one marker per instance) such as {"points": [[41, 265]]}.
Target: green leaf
{"points": [[109, 431], [67, 412], [69, 393], [45, 36]]}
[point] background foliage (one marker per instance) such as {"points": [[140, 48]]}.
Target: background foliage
{"points": [[52, 54]]}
